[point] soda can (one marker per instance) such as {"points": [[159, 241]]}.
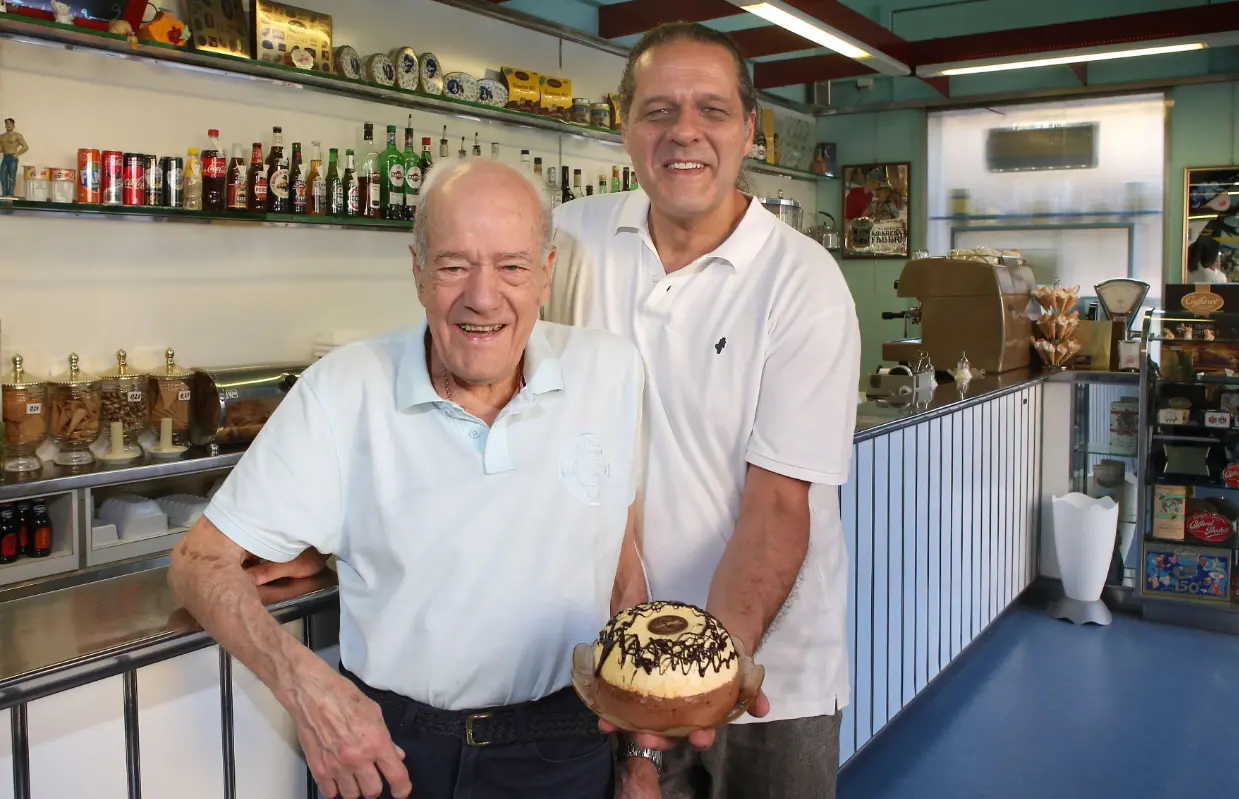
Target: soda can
{"points": [[88, 177], [112, 177], [172, 181], [154, 181], [135, 179]]}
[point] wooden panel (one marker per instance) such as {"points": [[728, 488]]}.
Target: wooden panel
{"points": [[179, 727], [639, 16], [77, 743]]}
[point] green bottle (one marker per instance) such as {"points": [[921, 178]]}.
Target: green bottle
{"points": [[335, 189], [615, 181], [412, 172], [427, 161], [391, 170]]}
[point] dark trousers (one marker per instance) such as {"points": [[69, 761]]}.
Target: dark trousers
{"points": [[445, 766]]}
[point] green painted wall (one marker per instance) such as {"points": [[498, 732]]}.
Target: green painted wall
{"points": [[870, 138], [1203, 126]]}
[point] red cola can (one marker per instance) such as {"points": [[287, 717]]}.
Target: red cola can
{"points": [[112, 178], [135, 179]]}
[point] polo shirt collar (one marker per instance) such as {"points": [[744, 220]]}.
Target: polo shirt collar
{"points": [[543, 372], [739, 249]]}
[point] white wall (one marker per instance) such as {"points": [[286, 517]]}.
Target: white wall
{"points": [[221, 294], [1130, 174]]}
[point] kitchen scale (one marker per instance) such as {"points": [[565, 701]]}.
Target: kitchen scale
{"points": [[1121, 299]]}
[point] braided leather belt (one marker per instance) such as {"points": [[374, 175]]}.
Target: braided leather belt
{"points": [[513, 724]]}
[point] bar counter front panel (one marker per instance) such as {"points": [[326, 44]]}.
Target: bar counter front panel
{"points": [[939, 516]]}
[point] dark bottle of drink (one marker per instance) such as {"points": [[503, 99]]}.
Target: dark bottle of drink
{"points": [[352, 191], [296, 182], [256, 182], [40, 529], [277, 185], [9, 534], [277, 147], [237, 188], [214, 176], [427, 161], [25, 533], [335, 189], [565, 191], [626, 186]]}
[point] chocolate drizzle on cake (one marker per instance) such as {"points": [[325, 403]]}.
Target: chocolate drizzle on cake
{"points": [[709, 649]]}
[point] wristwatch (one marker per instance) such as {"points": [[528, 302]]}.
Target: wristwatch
{"points": [[630, 749]]}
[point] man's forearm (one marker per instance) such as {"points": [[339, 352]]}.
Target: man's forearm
{"points": [[761, 562], [215, 589], [630, 586]]}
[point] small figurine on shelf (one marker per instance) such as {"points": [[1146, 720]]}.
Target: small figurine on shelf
{"points": [[62, 12], [121, 27], [12, 146]]}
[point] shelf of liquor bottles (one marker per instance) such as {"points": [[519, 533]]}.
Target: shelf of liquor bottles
{"points": [[157, 214], [83, 39]]}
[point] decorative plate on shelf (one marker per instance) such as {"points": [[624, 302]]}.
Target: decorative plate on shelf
{"points": [[431, 74], [348, 62], [461, 86], [492, 92], [380, 70], [404, 59]]}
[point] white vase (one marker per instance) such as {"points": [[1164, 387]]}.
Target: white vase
{"points": [[1084, 536]]}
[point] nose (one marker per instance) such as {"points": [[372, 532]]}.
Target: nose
{"points": [[482, 291], [687, 128]]}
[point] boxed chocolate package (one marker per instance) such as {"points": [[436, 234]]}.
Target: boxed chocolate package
{"points": [[280, 29], [524, 89], [555, 97], [1169, 512], [1211, 520], [1196, 572]]}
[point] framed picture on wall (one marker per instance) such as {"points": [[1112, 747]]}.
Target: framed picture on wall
{"points": [[1211, 211], [877, 210]]}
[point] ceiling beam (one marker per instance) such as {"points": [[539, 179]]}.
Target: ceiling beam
{"points": [[1107, 31], [769, 40], [639, 16], [768, 74]]}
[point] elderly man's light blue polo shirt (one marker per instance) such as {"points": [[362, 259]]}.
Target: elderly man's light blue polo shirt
{"points": [[471, 559]]}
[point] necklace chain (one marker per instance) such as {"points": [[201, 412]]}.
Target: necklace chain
{"points": [[447, 379]]}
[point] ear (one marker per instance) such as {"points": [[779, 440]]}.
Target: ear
{"points": [[549, 273]]}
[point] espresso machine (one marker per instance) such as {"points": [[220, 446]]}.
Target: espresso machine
{"points": [[972, 307]]}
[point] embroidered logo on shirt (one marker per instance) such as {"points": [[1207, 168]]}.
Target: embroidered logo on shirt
{"points": [[583, 468], [718, 348]]}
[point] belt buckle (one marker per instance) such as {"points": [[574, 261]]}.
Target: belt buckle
{"points": [[472, 717]]}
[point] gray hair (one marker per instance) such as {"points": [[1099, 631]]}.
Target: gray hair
{"points": [[443, 172]]}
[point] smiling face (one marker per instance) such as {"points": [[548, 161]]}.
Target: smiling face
{"points": [[687, 132], [485, 274]]}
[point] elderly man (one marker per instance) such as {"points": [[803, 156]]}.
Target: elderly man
{"points": [[474, 477], [751, 346]]}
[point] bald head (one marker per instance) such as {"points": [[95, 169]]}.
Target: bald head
{"points": [[467, 187]]}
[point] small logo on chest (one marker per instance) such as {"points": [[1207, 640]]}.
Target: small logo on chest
{"points": [[583, 468], [718, 348]]}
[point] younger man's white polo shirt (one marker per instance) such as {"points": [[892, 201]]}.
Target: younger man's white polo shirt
{"points": [[752, 356], [471, 559]]}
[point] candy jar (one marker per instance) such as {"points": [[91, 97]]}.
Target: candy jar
{"points": [[126, 399], [75, 401], [171, 394], [25, 419]]}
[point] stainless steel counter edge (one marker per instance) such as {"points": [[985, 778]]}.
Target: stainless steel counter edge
{"points": [[874, 419], [180, 635], [54, 479]]}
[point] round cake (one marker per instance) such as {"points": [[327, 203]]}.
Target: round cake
{"points": [[666, 665]]}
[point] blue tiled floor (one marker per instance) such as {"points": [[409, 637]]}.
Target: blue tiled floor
{"points": [[1044, 708]]}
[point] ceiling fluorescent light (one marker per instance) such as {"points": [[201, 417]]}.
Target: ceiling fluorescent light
{"points": [[802, 27], [964, 68], [818, 32]]}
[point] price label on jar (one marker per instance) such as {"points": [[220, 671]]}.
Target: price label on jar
{"points": [[34, 408], [135, 396], [183, 396]]}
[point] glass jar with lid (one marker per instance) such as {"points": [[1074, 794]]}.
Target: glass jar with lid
{"points": [[25, 418], [75, 399], [171, 394], [126, 399]]}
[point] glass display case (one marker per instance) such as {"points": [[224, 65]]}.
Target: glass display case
{"points": [[1190, 447]]}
